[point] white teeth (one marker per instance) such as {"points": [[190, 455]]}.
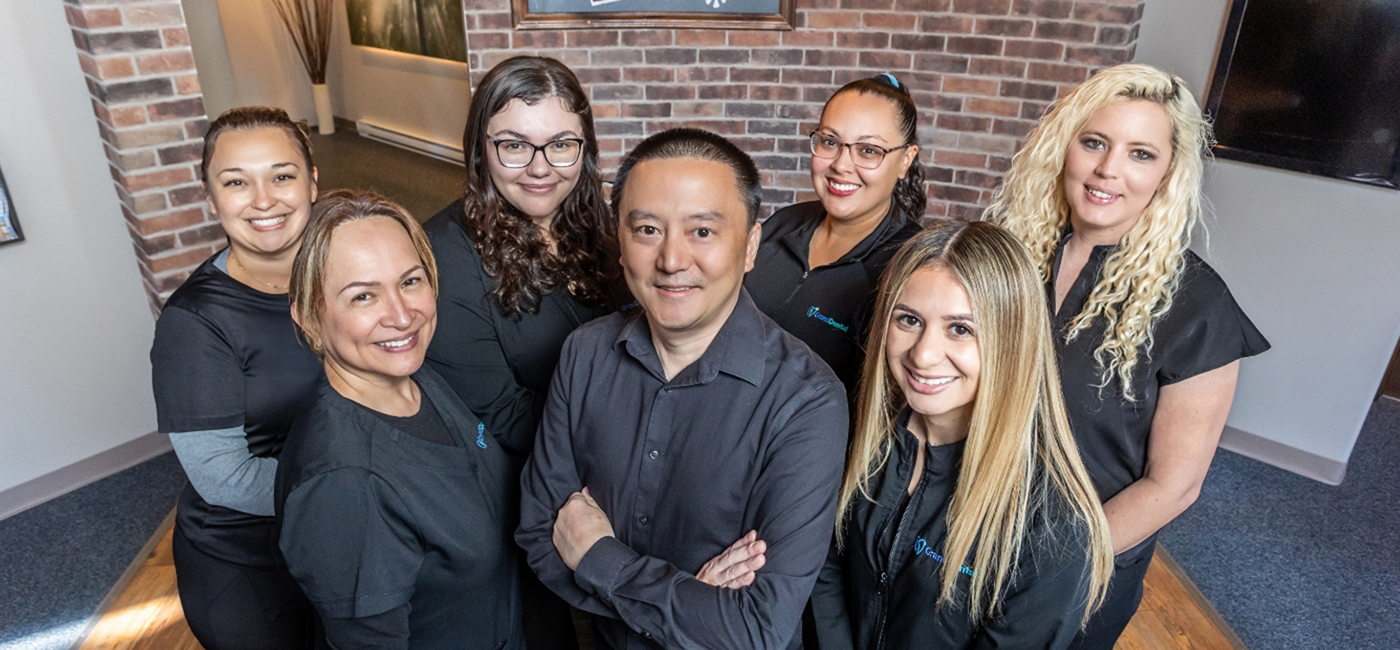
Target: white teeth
{"points": [[932, 382], [270, 221], [843, 187], [1102, 195], [397, 344]]}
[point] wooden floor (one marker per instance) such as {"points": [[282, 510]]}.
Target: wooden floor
{"points": [[145, 614]]}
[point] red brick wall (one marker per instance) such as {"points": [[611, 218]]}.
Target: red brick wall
{"points": [[140, 72], [981, 71]]}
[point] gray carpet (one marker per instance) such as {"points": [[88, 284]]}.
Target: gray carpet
{"points": [[420, 183], [58, 560], [1291, 563]]}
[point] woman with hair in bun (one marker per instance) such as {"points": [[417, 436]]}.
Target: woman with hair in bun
{"points": [[526, 256], [230, 376], [966, 519], [819, 261], [1105, 194]]}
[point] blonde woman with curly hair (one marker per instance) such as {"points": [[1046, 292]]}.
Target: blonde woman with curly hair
{"points": [[1105, 193], [966, 519]]}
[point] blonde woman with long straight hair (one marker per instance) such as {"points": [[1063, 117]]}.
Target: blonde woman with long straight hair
{"points": [[966, 519], [1105, 194]]}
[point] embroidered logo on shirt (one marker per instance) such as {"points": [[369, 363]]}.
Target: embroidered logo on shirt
{"points": [[481, 435], [921, 547], [813, 312]]}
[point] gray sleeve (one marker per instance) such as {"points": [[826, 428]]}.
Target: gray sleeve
{"points": [[223, 472]]}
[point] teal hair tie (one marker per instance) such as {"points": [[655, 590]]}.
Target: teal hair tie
{"points": [[893, 81]]}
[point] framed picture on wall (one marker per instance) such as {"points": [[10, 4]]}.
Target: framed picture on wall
{"points": [[9, 224], [643, 14], [431, 28]]}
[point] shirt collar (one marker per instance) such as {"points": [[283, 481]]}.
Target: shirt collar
{"points": [[737, 349], [799, 240], [939, 460]]}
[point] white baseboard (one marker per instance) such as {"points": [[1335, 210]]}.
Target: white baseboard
{"points": [[384, 134], [1282, 456], [93, 468]]}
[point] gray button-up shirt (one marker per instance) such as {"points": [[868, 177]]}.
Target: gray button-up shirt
{"points": [[752, 436]]}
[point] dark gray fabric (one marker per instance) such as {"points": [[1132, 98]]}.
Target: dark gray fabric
{"points": [[373, 519], [750, 436]]}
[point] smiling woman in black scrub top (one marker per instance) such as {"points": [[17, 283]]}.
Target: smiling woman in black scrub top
{"points": [[529, 253], [819, 261], [966, 517], [230, 376], [1105, 193], [526, 256], [395, 500]]}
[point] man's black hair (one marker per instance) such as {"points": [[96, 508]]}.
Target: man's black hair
{"points": [[699, 144]]}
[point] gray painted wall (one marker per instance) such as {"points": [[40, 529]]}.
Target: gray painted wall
{"points": [[75, 380], [1314, 261]]}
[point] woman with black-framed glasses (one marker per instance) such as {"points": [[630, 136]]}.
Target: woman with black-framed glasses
{"points": [[526, 256], [820, 261]]}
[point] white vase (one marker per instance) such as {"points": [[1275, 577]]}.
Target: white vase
{"points": [[325, 121]]}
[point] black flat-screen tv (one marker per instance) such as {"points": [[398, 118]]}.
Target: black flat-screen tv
{"points": [[1311, 86]]}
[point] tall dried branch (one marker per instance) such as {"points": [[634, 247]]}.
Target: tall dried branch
{"points": [[309, 24]]}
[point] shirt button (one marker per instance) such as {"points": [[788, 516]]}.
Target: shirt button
{"points": [[653, 454], [667, 389], [643, 519]]}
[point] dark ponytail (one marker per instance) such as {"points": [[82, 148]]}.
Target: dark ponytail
{"points": [[910, 198]]}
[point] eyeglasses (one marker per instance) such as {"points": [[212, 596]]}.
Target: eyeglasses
{"points": [[515, 154], [863, 154]]}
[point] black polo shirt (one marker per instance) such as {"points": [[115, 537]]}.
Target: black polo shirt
{"points": [[374, 518], [500, 366], [881, 590], [750, 436], [227, 355], [827, 307], [1204, 330]]}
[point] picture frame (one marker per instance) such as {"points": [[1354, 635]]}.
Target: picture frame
{"points": [[428, 28], [9, 224], [642, 14]]}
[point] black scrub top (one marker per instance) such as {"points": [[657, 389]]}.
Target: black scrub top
{"points": [[1205, 329], [227, 355], [499, 366], [374, 518], [828, 307], [881, 589]]}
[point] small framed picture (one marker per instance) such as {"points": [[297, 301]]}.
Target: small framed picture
{"points": [[9, 224]]}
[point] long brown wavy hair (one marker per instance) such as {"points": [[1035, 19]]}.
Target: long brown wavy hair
{"points": [[512, 250]]}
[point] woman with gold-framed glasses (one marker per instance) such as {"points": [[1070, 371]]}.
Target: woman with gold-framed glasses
{"points": [[819, 261]]}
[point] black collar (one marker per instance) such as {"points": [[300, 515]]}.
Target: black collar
{"points": [[798, 241]]}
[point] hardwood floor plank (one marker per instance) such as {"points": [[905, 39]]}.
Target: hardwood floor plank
{"points": [[146, 615], [1173, 614]]}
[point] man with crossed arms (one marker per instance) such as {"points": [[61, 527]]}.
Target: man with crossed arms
{"points": [[674, 429]]}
